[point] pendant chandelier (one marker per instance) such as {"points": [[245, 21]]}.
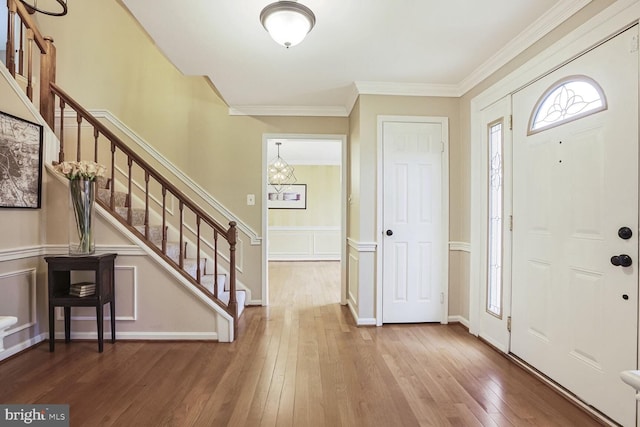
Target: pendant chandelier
{"points": [[287, 22], [279, 173], [48, 7]]}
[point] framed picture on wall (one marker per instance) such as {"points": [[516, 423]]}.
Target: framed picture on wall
{"points": [[294, 197], [20, 163]]}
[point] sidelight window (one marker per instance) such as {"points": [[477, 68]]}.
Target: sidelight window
{"points": [[567, 100], [495, 226]]}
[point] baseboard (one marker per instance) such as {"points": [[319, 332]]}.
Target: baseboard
{"points": [[146, 336], [8, 352], [365, 321], [459, 319]]}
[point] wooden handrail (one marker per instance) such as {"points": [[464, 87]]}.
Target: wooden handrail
{"points": [[86, 115], [49, 90]]}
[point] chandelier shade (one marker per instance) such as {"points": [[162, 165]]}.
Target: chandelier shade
{"points": [[48, 7], [279, 173], [287, 22]]}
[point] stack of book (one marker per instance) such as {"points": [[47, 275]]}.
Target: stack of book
{"points": [[83, 289]]}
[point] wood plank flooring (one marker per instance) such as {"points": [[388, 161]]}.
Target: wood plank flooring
{"points": [[300, 362]]}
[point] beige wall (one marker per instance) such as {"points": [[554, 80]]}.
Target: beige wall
{"points": [[180, 116], [363, 208], [323, 199]]}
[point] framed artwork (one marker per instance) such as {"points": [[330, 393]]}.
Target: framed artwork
{"points": [[294, 197], [20, 163]]}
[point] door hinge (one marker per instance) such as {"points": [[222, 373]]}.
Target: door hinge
{"points": [[441, 297], [510, 122], [509, 323], [510, 222], [442, 146]]}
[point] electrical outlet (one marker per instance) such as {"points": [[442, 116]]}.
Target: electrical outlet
{"points": [[251, 199]]}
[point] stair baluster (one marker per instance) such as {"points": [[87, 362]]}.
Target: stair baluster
{"points": [[112, 200]]}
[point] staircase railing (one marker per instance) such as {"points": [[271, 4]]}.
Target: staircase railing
{"points": [[192, 224]]}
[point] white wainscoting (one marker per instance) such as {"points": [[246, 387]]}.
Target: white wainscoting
{"points": [[304, 243]]}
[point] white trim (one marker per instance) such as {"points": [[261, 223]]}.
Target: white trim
{"points": [[362, 246], [291, 111], [311, 234], [143, 335], [180, 175], [8, 352], [460, 246], [365, 321], [407, 89], [32, 304], [599, 28], [45, 250], [21, 253], [444, 123], [459, 319], [555, 16]]}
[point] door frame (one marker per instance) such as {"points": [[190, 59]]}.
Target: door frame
{"points": [[343, 209], [618, 17], [444, 123]]}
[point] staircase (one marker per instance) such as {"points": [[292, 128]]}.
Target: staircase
{"points": [[215, 284], [190, 241]]}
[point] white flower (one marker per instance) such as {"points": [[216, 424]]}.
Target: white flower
{"points": [[83, 169]]}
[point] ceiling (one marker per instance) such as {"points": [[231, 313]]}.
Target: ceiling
{"points": [[306, 151], [411, 47]]}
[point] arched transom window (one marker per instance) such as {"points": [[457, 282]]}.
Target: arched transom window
{"points": [[568, 99]]}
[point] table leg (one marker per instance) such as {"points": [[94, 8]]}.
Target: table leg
{"points": [[67, 324], [112, 307], [99, 314], [52, 327]]}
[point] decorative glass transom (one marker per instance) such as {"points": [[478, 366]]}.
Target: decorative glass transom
{"points": [[567, 100]]}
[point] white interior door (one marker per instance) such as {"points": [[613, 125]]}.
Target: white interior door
{"points": [[574, 314], [413, 240]]}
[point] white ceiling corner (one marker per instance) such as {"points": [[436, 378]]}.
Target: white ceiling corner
{"points": [[425, 48]]}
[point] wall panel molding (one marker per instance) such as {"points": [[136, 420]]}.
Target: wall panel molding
{"points": [[460, 246], [304, 243], [32, 317]]}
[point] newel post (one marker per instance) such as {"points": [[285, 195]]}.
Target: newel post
{"points": [[232, 237], [48, 76], [11, 31]]}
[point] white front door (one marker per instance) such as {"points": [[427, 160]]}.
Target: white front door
{"points": [[413, 236], [575, 186]]}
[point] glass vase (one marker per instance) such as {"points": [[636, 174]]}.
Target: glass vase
{"points": [[81, 201]]}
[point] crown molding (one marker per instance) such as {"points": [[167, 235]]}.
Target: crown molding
{"points": [[407, 89], [294, 111], [555, 16]]}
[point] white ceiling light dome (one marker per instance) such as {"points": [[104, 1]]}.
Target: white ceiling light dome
{"points": [[288, 22]]}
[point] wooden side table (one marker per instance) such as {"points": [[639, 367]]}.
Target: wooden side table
{"points": [[59, 283]]}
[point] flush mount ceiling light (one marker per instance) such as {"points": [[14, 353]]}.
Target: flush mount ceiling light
{"points": [[287, 22], [48, 7], [280, 173]]}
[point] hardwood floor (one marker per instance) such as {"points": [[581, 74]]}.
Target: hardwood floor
{"points": [[299, 362]]}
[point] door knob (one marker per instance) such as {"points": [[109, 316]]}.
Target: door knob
{"points": [[621, 260], [389, 232], [625, 233]]}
